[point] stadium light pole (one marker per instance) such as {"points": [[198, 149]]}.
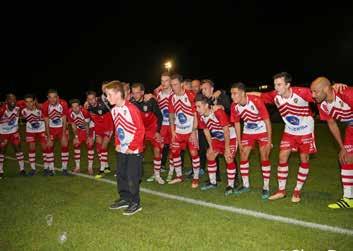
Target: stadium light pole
{"points": [[168, 65]]}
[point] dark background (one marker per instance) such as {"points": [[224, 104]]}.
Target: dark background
{"points": [[74, 48]]}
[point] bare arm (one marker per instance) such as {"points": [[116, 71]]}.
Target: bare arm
{"points": [[332, 124], [208, 137], [226, 136], [238, 131], [269, 129]]}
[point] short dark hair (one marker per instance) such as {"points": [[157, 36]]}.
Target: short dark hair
{"points": [[29, 95], [138, 85], [201, 98], [10, 94], [91, 93], [52, 91], [287, 77], [208, 81], [74, 101], [165, 74], [239, 85], [177, 76]]}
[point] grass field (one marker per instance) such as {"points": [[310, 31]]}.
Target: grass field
{"points": [[79, 207]]}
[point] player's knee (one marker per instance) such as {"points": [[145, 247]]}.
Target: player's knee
{"points": [[194, 153]]}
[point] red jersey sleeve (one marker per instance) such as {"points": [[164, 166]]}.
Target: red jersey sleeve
{"points": [[137, 141], [86, 113], [201, 123], [260, 105], [69, 119], [347, 96], [2, 109], [65, 107], [21, 104], [268, 97], [234, 116], [222, 117], [191, 95]]}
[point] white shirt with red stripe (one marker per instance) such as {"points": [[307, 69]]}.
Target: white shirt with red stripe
{"points": [[183, 107], [340, 109], [34, 120], [253, 113], [9, 119], [215, 122], [80, 119], [163, 101], [55, 113], [129, 128], [295, 110]]}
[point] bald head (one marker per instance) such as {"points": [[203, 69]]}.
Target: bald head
{"points": [[320, 87]]}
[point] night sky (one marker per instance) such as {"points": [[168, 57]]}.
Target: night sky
{"points": [[74, 48]]}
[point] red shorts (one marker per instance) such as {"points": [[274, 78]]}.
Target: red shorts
{"points": [[32, 137], [301, 143], [57, 133], [219, 146], [251, 139], [82, 135], [150, 137], [182, 141], [348, 139], [13, 138], [166, 134], [102, 133]]}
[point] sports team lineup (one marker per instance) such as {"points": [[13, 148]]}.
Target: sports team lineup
{"points": [[178, 117]]}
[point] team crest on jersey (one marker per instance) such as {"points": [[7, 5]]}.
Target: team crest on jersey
{"points": [[145, 108], [182, 118], [341, 103], [186, 99], [295, 100], [252, 107], [100, 112], [124, 112], [276, 101], [121, 134]]}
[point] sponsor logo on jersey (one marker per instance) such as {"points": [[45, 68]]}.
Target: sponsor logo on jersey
{"points": [[121, 134], [56, 121], [35, 125], [251, 126], [12, 122], [293, 120], [182, 118], [165, 113], [218, 135]]}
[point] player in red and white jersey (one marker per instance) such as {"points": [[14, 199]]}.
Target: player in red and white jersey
{"points": [[162, 94], [55, 116], [82, 128], [293, 105], [9, 115], [129, 144], [35, 132], [183, 124], [333, 106], [257, 129], [221, 139], [152, 120], [103, 128]]}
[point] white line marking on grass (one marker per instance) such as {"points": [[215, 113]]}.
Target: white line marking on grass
{"points": [[236, 210]]}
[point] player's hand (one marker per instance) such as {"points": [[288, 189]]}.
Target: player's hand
{"points": [[227, 154], [193, 138], [339, 87], [49, 142], [216, 94], [117, 148], [129, 151], [85, 105], [211, 153], [148, 96], [343, 156], [158, 137]]}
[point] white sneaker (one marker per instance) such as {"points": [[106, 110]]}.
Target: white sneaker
{"points": [[159, 180]]}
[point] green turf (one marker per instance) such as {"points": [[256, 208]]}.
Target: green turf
{"points": [[80, 207]]}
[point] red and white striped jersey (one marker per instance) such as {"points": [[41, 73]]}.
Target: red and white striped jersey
{"points": [[129, 128], [253, 113], [341, 108], [34, 120], [295, 110], [184, 109], [215, 122], [55, 113], [163, 101], [9, 119], [80, 119]]}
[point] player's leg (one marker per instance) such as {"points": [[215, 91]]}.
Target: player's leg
{"points": [[77, 156], [50, 153], [231, 168], [3, 144], [99, 141], [265, 150], [42, 139], [31, 144], [104, 151], [64, 142], [195, 159], [211, 169], [244, 169], [177, 146], [346, 174], [282, 174], [157, 162], [16, 142], [90, 153]]}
